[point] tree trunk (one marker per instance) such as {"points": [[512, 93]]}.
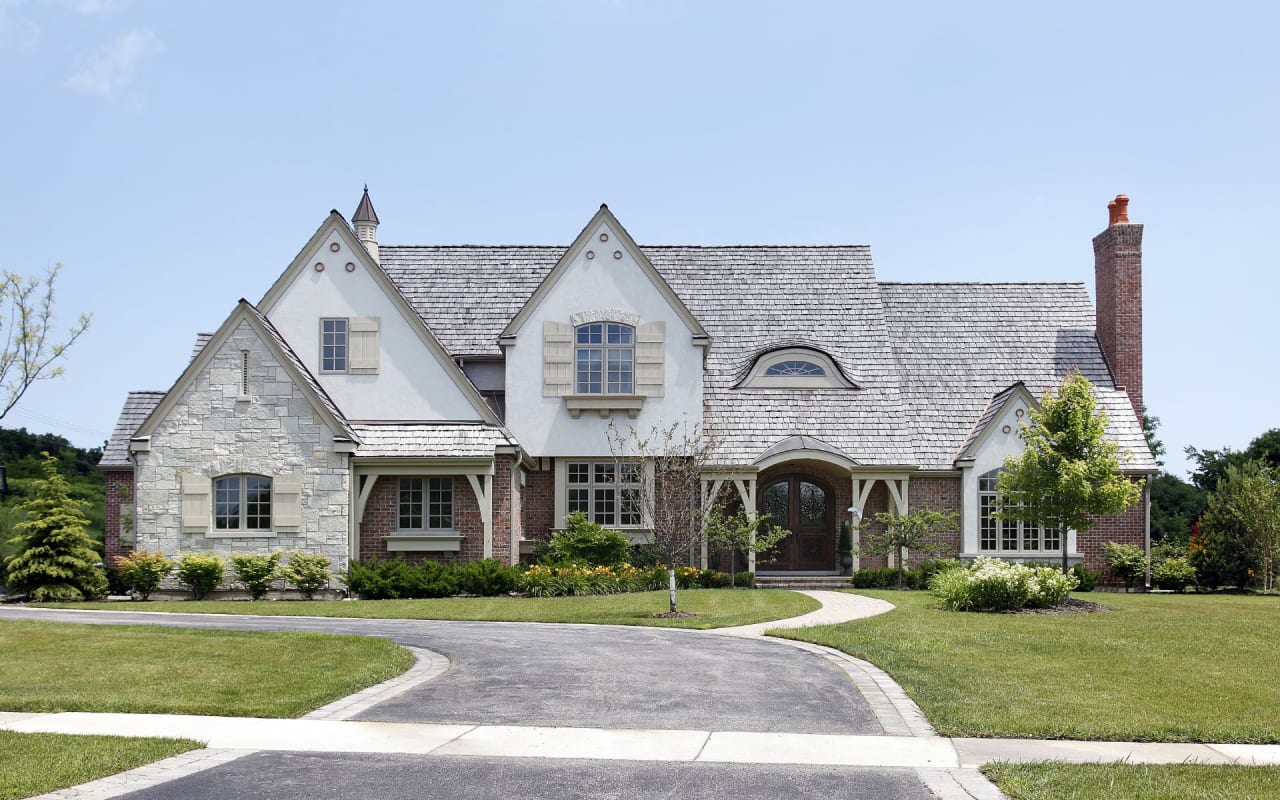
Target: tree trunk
{"points": [[1062, 538], [900, 568], [671, 585]]}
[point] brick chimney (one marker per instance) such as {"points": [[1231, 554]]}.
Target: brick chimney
{"points": [[1117, 268]]}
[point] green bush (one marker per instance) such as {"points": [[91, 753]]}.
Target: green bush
{"points": [[486, 578], [1173, 573], [710, 579], [1125, 562], [256, 571], [307, 572], [395, 579], [989, 584], [887, 578], [201, 572], [1086, 579], [571, 579], [928, 569], [586, 542], [142, 571], [745, 580]]}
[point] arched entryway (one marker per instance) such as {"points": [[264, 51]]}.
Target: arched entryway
{"points": [[806, 505]]}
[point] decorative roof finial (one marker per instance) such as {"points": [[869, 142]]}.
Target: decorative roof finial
{"points": [[365, 212]]}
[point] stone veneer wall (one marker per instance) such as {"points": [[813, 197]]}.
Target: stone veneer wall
{"points": [[209, 431]]}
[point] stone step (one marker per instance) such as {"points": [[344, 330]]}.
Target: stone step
{"points": [[802, 582]]}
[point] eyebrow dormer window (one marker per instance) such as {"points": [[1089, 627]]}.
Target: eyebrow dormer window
{"points": [[806, 369], [604, 358]]}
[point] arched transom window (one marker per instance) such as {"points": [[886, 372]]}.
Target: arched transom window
{"points": [[604, 358], [796, 367]]}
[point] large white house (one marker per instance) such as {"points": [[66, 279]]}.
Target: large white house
{"points": [[453, 401]]}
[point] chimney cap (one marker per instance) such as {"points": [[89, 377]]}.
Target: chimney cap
{"points": [[1118, 210], [364, 211]]}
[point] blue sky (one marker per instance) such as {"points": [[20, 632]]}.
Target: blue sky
{"points": [[175, 156]]}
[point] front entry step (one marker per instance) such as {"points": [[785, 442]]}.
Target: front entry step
{"points": [[803, 582]]}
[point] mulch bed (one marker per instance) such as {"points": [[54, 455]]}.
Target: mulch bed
{"points": [[673, 615], [1072, 606]]}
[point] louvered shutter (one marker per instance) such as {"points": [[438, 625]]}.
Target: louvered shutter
{"points": [[196, 510], [651, 358], [557, 359], [364, 344], [286, 502]]}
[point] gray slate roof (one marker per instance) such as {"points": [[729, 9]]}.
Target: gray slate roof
{"points": [[137, 407], [927, 357], [427, 439], [201, 340]]}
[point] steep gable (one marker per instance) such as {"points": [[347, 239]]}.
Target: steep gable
{"points": [[408, 375]]}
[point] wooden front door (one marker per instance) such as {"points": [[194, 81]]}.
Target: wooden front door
{"points": [[805, 506]]}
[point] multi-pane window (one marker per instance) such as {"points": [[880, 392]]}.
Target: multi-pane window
{"points": [[1007, 535], [604, 358], [426, 504], [333, 345], [242, 503], [607, 492], [806, 369]]}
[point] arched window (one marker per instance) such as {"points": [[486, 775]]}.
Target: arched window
{"points": [[604, 358], [242, 503], [806, 369], [997, 535], [795, 368]]}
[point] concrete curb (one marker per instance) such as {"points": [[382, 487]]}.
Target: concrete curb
{"points": [[430, 665], [148, 776]]}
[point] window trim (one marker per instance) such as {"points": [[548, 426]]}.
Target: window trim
{"points": [[242, 500], [426, 502], [1002, 530], [636, 533], [606, 351]]}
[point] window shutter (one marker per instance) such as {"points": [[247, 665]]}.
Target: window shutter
{"points": [[557, 358], [286, 501], [651, 358], [196, 509], [364, 344]]}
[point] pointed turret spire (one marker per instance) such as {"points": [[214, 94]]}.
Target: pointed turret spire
{"points": [[366, 224]]}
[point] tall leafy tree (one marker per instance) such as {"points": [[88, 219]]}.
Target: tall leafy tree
{"points": [[1247, 502], [57, 559], [1069, 472], [1174, 506], [1211, 465]]}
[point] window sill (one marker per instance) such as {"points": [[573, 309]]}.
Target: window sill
{"points": [[604, 404], [226, 534], [413, 542]]}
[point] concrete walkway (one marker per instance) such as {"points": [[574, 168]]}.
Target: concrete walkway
{"points": [[948, 767]]}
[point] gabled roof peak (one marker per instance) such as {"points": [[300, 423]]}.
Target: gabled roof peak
{"points": [[364, 211]]}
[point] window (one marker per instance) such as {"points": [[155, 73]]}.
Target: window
{"points": [[802, 368], [1007, 535], [241, 503], [426, 504], [607, 492], [604, 357], [350, 345], [333, 345]]}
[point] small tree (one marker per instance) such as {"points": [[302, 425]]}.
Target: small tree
{"points": [[1069, 471], [1247, 502], [914, 531], [665, 466], [1125, 561], [256, 571], [737, 531], [56, 560], [29, 351]]}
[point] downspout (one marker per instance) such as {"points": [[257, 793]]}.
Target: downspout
{"points": [[1146, 536]]}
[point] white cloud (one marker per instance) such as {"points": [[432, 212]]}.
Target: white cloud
{"points": [[90, 6], [115, 66]]}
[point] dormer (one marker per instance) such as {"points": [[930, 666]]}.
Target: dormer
{"points": [[795, 368]]}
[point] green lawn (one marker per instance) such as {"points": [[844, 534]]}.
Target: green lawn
{"points": [[35, 763], [62, 667], [715, 608], [1156, 668], [1056, 781]]}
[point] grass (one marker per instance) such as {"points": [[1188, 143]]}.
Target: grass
{"points": [[715, 608], [139, 669], [35, 763], [1057, 781], [1167, 668]]}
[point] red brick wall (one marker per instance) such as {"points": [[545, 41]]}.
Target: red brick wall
{"points": [[1129, 527], [539, 504], [936, 494], [502, 500], [381, 517], [119, 491], [1118, 284]]}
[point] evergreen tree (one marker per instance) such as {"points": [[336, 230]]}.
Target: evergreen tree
{"points": [[1069, 472], [57, 560]]}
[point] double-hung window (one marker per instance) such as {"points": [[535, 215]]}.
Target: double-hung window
{"points": [[997, 535], [333, 345], [350, 345], [242, 503], [426, 504], [604, 357], [607, 492]]}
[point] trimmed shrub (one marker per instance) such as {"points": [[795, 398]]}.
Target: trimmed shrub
{"points": [[710, 579], [586, 542], [256, 571], [142, 571], [307, 572], [395, 579], [201, 573], [887, 578], [1173, 573], [486, 578], [1125, 562], [989, 584], [1086, 579], [745, 580]]}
